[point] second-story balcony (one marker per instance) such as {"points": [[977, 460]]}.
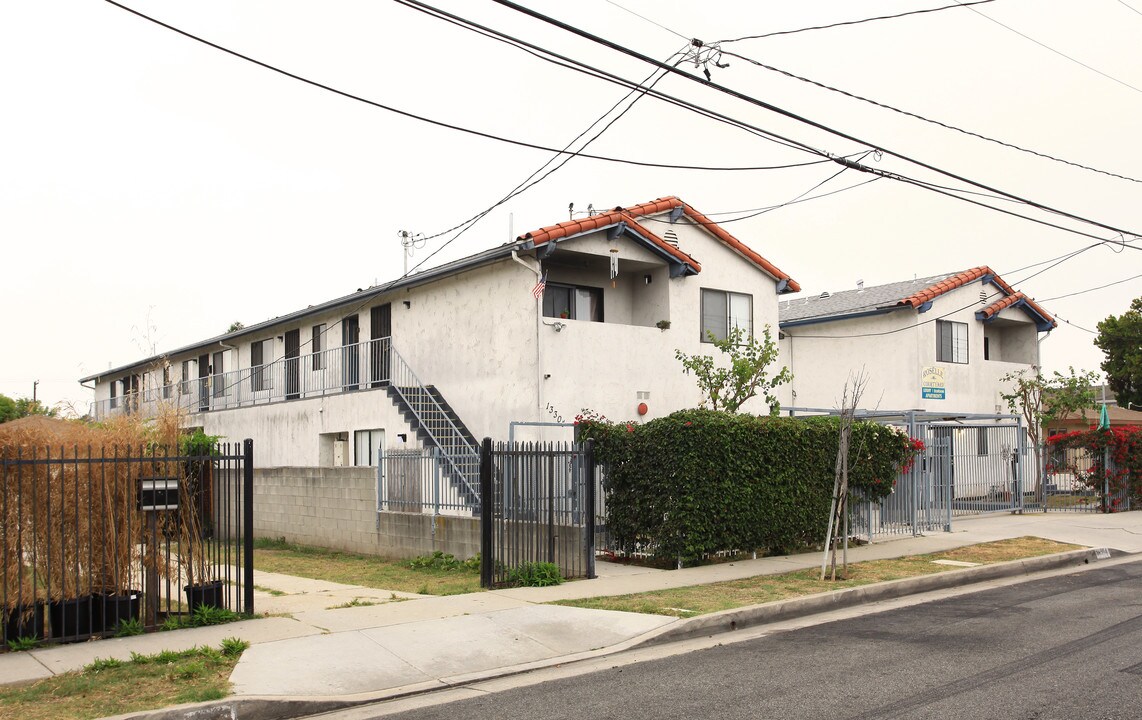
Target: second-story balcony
{"points": [[344, 369]]}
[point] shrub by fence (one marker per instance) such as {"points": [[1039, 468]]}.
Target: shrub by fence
{"points": [[698, 481], [1112, 469]]}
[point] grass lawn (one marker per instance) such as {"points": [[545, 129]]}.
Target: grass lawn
{"points": [[702, 599], [111, 687], [432, 575]]}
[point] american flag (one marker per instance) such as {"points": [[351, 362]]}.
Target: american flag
{"points": [[537, 291]]}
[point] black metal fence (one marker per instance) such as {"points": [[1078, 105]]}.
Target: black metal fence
{"points": [[538, 505], [100, 541]]}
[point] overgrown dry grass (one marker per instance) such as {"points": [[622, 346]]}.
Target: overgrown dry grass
{"points": [[364, 570], [109, 687], [703, 599]]}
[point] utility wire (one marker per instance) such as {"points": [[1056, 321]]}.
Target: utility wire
{"points": [[451, 126], [563, 155], [532, 180], [762, 210], [853, 22], [1079, 327], [1120, 2], [1088, 290], [916, 116], [580, 66], [1057, 52], [786, 113], [885, 106], [988, 300], [652, 22]]}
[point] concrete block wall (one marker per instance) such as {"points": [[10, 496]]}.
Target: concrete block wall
{"points": [[336, 508]]}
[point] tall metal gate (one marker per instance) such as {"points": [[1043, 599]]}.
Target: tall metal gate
{"points": [[94, 537], [971, 464], [537, 506]]}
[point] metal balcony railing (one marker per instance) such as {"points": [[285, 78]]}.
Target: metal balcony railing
{"points": [[337, 370]]}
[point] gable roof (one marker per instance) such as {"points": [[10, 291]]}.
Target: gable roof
{"points": [[486, 257], [629, 219], [915, 294]]}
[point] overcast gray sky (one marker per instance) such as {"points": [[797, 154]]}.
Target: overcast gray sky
{"points": [[154, 189]]}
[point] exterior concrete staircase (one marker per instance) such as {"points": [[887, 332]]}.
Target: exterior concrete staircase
{"points": [[437, 425]]}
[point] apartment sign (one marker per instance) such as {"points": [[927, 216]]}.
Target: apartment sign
{"points": [[932, 384]]}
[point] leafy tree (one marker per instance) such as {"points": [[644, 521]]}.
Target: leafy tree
{"points": [[1041, 400], [1120, 339], [235, 326], [22, 407], [727, 388]]}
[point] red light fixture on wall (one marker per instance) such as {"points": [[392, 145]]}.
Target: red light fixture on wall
{"points": [[642, 409]]}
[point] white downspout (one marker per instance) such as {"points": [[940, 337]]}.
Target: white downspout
{"points": [[538, 351]]}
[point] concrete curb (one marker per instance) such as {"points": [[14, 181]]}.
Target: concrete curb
{"points": [[284, 708], [738, 618]]}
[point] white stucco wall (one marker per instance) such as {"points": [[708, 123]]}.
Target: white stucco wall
{"points": [[894, 348], [479, 337]]}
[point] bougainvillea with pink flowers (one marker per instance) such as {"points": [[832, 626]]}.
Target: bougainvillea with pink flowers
{"points": [[1114, 470]]}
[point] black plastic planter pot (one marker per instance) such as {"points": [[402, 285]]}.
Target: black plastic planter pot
{"points": [[23, 621], [70, 619], [209, 594], [111, 609]]}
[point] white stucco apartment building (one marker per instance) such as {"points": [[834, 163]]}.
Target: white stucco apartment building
{"points": [[938, 344], [461, 351]]}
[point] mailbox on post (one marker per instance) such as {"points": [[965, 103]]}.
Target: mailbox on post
{"points": [[158, 494]]}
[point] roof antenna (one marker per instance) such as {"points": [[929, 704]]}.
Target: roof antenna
{"points": [[571, 211], [410, 242]]}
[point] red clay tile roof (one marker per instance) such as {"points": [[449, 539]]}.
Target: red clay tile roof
{"points": [[994, 308], [958, 280], [963, 278], [575, 227]]}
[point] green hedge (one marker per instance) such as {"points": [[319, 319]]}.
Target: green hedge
{"points": [[700, 481]]}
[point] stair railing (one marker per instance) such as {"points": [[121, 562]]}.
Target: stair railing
{"points": [[462, 456]]}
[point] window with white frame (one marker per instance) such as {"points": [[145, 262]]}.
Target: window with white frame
{"points": [[951, 341], [367, 447], [724, 311], [166, 382]]}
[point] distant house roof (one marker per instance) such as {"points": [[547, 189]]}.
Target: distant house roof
{"points": [[627, 220], [915, 294]]}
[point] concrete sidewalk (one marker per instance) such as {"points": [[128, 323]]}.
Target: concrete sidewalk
{"points": [[322, 656]]}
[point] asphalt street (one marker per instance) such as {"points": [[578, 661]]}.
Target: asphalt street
{"points": [[1065, 648]]}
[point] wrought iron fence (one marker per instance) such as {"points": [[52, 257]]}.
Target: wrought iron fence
{"points": [[96, 541], [539, 506]]}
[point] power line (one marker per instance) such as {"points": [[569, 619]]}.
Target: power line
{"points": [[854, 22], [652, 22], [590, 70], [1080, 327], [989, 297], [450, 126], [1120, 2], [916, 116], [562, 154], [1088, 290], [1048, 47], [789, 114], [531, 180], [760, 211]]}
